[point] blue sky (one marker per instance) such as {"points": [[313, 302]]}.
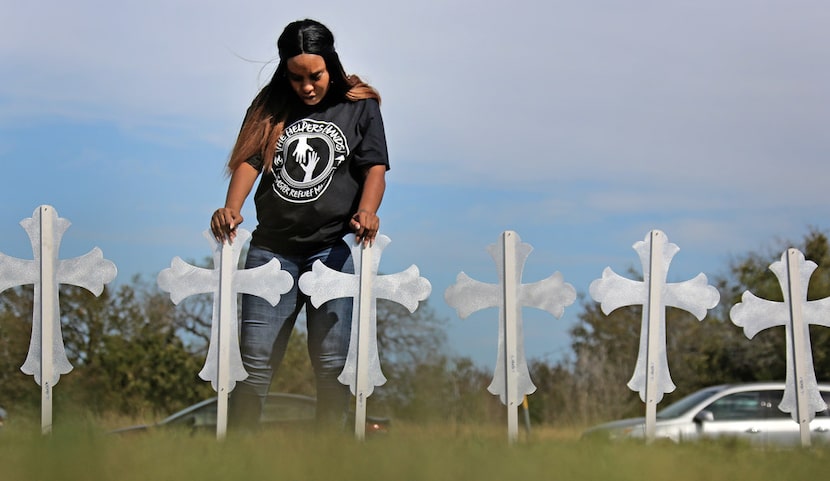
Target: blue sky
{"points": [[580, 125]]}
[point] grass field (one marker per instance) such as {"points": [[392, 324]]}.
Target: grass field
{"points": [[86, 452]]}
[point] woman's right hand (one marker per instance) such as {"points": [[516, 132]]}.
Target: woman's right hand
{"points": [[224, 222]]}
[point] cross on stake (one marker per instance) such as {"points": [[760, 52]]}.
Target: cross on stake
{"points": [[47, 360], [802, 398], [651, 375], [362, 370], [511, 379], [223, 365]]}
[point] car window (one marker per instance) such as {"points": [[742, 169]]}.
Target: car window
{"points": [[774, 399], [743, 405], [770, 402], [681, 406]]}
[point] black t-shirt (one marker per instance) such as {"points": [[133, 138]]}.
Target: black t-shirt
{"points": [[305, 201]]}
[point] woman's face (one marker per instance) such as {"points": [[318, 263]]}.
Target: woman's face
{"points": [[309, 77]]}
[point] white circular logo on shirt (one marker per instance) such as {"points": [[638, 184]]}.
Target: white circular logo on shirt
{"points": [[307, 155]]}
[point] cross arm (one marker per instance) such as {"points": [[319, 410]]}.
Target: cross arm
{"points": [[754, 314], [323, 284], [182, 280], [406, 288], [468, 295], [90, 271], [613, 291], [16, 272], [552, 295], [817, 312], [267, 281], [695, 296]]}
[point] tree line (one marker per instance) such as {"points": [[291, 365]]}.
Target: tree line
{"points": [[135, 353]]}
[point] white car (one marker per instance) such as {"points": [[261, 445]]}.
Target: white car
{"points": [[746, 411]]}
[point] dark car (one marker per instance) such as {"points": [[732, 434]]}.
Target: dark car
{"points": [[745, 411], [281, 411]]}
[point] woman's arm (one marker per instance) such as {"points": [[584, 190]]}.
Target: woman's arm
{"points": [[224, 221], [365, 221]]}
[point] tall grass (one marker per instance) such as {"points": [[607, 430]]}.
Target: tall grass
{"points": [[86, 452]]}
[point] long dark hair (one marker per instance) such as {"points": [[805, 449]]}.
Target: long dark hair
{"points": [[265, 118]]}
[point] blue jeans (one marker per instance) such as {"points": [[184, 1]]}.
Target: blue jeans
{"points": [[265, 330]]}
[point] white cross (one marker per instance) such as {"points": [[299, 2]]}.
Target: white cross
{"points": [[511, 379], [802, 398], [223, 365], [362, 370], [651, 375], [47, 360]]}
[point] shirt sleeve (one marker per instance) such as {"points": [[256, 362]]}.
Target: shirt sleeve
{"points": [[372, 148], [255, 161]]}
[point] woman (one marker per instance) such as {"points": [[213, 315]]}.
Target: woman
{"points": [[316, 136]]}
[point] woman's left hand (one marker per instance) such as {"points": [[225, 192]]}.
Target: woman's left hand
{"points": [[365, 225]]}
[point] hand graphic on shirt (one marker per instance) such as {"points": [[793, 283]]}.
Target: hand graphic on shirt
{"points": [[308, 164], [301, 149], [306, 157]]}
